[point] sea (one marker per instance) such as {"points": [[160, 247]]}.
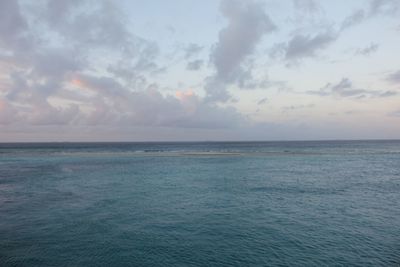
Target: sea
{"points": [[298, 203]]}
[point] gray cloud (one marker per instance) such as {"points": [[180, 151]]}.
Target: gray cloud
{"points": [[194, 65], [193, 50], [308, 6], [368, 50], [100, 25], [394, 77], [296, 107], [247, 24], [8, 114], [385, 93], [353, 19], [262, 101], [345, 88], [383, 7], [302, 46], [56, 62], [395, 113], [12, 24], [351, 112], [374, 8]]}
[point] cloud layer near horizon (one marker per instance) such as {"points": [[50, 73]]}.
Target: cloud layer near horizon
{"points": [[56, 78]]}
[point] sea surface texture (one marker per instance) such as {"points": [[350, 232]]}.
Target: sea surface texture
{"points": [[331, 203]]}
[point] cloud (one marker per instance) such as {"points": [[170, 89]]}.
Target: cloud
{"points": [[287, 109], [56, 77], [386, 93], [373, 9], [110, 103], [194, 65], [395, 113], [12, 24], [247, 24], [75, 67], [262, 101], [368, 50], [351, 112], [394, 77], [151, 108], [56, 62], [383, 7], [192, 50], [99, 25], [345, 88], [307, 6], [46, 114], [302, 46], [353, 19], [7, 113]]}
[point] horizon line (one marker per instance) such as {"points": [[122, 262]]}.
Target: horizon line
{"points": [[200, 141]]}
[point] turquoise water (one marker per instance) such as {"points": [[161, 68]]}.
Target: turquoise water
{"points": [[200, 204]]}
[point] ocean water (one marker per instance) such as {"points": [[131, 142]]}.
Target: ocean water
{"points": [[333, 203]]}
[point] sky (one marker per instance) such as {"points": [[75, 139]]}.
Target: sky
{"points": [[185, 70]]}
